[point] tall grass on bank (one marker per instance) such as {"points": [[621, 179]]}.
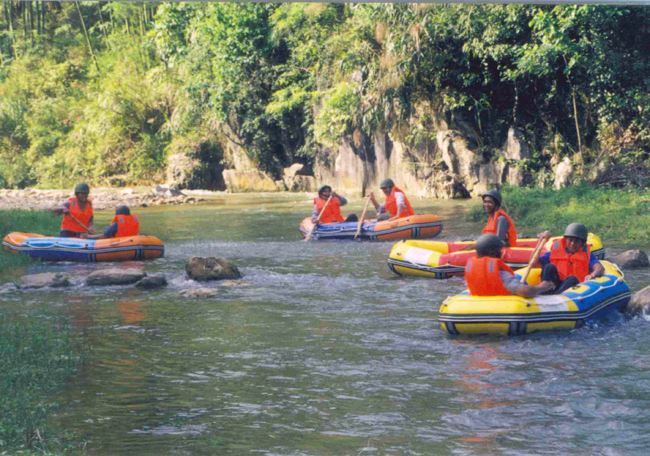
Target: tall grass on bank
{"points": [[618, 216], [37, 357], [40, 222]]}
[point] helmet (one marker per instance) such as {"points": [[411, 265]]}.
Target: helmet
{"points": [[323, 188], [387, 183], [494, 194], [488, 245], [122, 210], [577, 230], [82, 188]]}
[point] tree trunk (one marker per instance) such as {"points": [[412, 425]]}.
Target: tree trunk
{"points": [[90, 47], [31, 19], [575, 115], [103, 26]]}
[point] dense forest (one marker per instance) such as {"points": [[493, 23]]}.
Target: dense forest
{"points": [[106, 91]]}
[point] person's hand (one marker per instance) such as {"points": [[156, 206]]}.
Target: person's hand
{"points": [[83, 235], [333, 194], [469, 247], [372, 197], [66, 210], [314, 220], [91, 230], [590, 276], [545, 234]]}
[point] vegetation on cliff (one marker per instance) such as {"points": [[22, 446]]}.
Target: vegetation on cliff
{"points": [[106, 91]]}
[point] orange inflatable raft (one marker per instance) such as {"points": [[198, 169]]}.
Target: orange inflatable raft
{"points": [[424, 226], [85, 250]]}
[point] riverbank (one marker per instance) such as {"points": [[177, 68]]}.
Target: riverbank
{"points": [[618, 216], [102, 197]]}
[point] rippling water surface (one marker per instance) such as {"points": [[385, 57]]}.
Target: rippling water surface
{"points": [[326, 352]]}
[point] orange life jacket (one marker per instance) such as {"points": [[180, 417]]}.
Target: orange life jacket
{"points": [[391, 204], [332, 213], [567, 264], [127, 225], [491, 227], [75, 211], [483, 279]]}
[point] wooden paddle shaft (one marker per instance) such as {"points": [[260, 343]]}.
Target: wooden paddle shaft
{"points": [[79, 223], [363, 215], [534, 257], [318, 219]]}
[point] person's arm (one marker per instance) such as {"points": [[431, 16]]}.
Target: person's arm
{"points": [[374, 202], [314, 215], [401, 205], [91, 227], [596, 267], [512, 284], [502, 228], [342, 200], [64, 208], [110, 232]]}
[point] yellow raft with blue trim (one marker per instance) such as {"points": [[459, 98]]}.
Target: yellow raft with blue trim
{"points": [[513, 315]]}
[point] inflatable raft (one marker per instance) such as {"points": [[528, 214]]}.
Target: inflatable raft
{"points": [[512, 315], [442, 260], [86, 250], [412, 227]]}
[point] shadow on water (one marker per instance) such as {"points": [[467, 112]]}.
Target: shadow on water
{"points": [[326, 352]]}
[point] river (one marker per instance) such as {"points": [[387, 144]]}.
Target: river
{"points": [[326, 352]]}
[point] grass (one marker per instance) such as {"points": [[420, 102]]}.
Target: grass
{"points": [[618, 216], [46, 223], [37, 357]]}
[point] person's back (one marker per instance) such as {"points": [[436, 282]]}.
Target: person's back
{"points": [[488, 275], [123, 225]]}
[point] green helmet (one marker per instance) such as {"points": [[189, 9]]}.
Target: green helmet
{"points": [[494, 194], [387, 183], [323, 188], [489, 245], [82, 188], [577, 230], [122, 210]]}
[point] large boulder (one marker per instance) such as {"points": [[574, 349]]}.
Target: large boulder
{"points": [[563, 173], [640, 302], [47, 279], [248, 180], [211, 268], [631, 259], [115, 276]]}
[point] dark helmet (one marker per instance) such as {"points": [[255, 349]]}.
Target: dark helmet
{"points": [[82, 188], [323, 188], [494, 194], [387, 183], [577, 230], [489, 245], [122, 210]]}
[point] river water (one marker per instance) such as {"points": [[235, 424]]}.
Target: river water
{"points": [[326, 352]]}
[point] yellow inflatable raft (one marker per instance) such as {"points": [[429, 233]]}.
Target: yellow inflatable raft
{"points": [[512, 315], [441, 260]]}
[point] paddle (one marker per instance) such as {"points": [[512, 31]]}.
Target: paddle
{"points": [[534, 257], [79, 223], [363, 215], [308, 237]]}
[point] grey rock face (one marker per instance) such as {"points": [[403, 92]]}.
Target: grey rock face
{"points": [[114, 276], [47, 279], [211, 268]]}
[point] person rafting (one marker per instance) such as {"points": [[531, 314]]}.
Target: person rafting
{"points": [[123, 225], [499, 222], [397, 204], [332, 212], [570, 261], [488, 275], [77, 213]]}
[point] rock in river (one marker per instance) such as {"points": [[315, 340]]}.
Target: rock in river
{"points": [[48, 279], [115, 276], [151, 282], [211, 268], [631, 259], [200, 293], [640, 302]]}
